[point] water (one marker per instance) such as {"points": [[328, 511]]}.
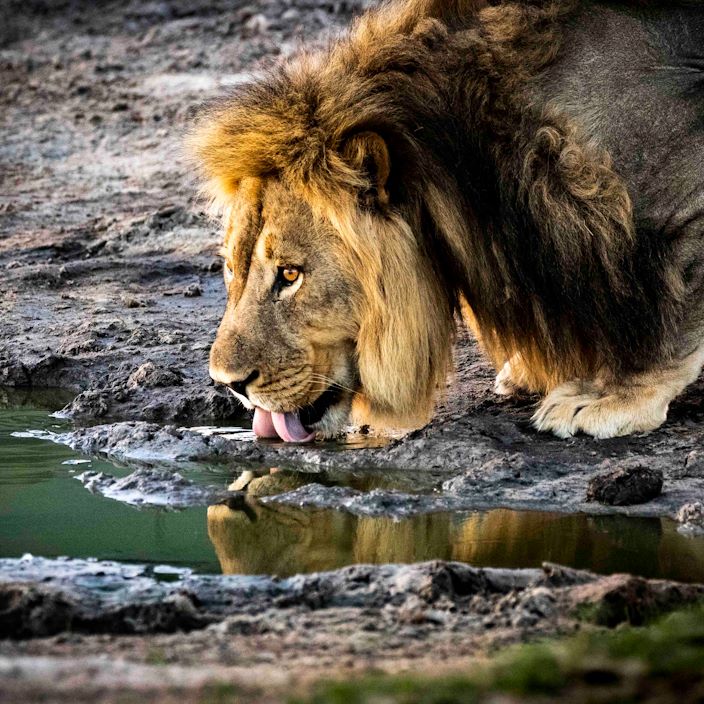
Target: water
{"points": [[45, 511]]}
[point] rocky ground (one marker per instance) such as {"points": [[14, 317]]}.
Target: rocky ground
{"points": [[112, 288], [270, 638]]}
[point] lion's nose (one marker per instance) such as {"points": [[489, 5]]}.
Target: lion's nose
{"points": [[240, 386]]}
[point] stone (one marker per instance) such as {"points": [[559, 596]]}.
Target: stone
{"points": [[626, 486], [691, 518]]}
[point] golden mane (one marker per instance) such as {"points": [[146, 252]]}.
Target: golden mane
{"points": [[495, 201]]}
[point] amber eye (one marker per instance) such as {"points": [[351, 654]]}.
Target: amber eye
{"points": [[289, 274]]}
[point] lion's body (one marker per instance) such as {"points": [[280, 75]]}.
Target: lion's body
{"points": [[540, 162], [633, 78]]}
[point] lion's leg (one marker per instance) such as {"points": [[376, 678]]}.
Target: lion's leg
{"points": [[512, 378], [607, 409]]}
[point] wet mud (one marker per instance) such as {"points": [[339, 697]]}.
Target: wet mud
{"points": [[436, 469]]}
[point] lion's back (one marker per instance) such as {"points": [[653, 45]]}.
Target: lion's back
{"points": [[633, 77]]}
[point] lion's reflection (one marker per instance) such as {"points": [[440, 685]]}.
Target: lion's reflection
{"points": [[253, 538]]}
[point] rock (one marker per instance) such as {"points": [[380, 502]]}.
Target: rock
{"points": [[34, 610], [691, 518], [193, 290], [625, 486], [133, 301], [149, 375], [694, 463], [257, 24], [91, 404], [153, 487]]}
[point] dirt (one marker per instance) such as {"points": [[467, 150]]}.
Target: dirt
{"points": [[111, 287], [301, 628]]}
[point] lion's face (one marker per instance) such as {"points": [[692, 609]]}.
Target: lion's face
{"points": [[286, 343]]}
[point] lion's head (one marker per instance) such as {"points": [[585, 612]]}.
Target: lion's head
{"points": [[339, 293], [331, 295], [286, 344]]}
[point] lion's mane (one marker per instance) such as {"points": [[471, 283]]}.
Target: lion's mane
{"points": [[496, 201]]}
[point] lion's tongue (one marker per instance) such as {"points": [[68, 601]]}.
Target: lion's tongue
{"points": [[290, 428], [262, 425], [287, 426]]}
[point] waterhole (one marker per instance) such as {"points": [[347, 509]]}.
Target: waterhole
{"points": [[45, 511]]}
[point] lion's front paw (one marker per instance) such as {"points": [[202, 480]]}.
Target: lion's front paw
{"points": [[581, 407], [504, 384], [513, 378]]}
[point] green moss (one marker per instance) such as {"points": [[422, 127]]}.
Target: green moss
{"points": [[220, 693], [662, 662], [674, 645], [399, 690], [155, 656], [528, 669]]}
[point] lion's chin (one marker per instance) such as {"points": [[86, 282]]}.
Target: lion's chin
{"points": [[326, 416]]}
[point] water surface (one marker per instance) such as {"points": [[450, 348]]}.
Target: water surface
{"points": [[45, 511]]}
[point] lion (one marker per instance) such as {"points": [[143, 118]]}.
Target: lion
{"points": [[253, 537], [533, 168]]}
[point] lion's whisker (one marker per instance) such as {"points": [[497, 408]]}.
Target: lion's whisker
{"points": [[331, 382]]}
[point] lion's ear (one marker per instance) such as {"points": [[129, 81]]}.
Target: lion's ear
{"points": [[367, 152]]}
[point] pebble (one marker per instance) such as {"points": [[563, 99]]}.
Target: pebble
{"points": [[691, 518], [193, 291]]}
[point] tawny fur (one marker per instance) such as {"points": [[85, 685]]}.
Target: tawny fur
{"points": [[531, 226]]}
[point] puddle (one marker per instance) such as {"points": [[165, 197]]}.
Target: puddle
{"points": [[276, 540], [45, 511]]}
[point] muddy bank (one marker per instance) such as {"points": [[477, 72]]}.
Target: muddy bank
{"points": [[453, 464], [388, 616], [112, 285]]}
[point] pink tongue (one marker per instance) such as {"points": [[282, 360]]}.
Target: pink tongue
{"points": [[290, 428], [262, 425], [286, 426]]}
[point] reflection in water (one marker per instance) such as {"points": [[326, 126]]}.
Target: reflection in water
{"points": [[251, 538], [43, 510], [32, 398]]}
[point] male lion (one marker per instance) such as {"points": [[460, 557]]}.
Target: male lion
{"points": [[537, 165]]}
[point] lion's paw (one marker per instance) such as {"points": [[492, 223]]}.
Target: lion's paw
{"points": [[513, 378], [580, 407], [504, 384]]}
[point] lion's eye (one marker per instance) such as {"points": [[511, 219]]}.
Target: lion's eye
{"points": [[288, 280], [288, 275]]}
